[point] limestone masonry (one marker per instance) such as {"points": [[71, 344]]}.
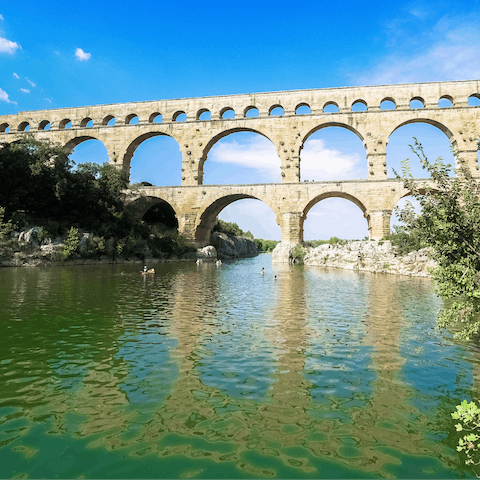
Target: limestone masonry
{"points": [[196, 205]]}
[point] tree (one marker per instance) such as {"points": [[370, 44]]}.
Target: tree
{"points": [[450, 225]]}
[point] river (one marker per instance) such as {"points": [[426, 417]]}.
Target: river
{"points": [[220, 372]]}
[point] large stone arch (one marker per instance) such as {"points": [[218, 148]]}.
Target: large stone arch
{"points": [[430, 121], [208, 213], [224, 133], [135, 141], [305, 135], [139, 206], [75, 141]]}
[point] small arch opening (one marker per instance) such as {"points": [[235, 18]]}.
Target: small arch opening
{"points": [[276, 110], [445, 102], [417, 103], [88, 150], [155, 118], [251, 112], [86, 123], [303, 109], [45, 125], [65, 123], [388, 104], [359, 106], [109, 120], [227, 113], [5, 128], [179, 116], [24, 127], [204, 114], [330, 107], [132, 119], [474, 100]]}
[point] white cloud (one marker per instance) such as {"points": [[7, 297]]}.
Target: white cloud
{"points": [[48, 100], [30, 82], [450, 54], [7, 46], [81, 55], [16, 76], [4, 97], [1, 17], [317, 161], [24, 90]]}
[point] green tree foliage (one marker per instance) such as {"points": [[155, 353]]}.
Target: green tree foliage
{"points": [[450, 225], [468, 415], [231, 229]]}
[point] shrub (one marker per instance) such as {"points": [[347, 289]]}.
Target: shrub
{"points": [[71, 243]]}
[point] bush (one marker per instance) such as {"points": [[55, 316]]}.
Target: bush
{"points": [[71, 243], [298, 254]]}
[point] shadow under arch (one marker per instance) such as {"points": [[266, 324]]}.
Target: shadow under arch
{"points": [[74, 142], [134, 144], [141, 206], [224, 134], [209, 215], [331, 124]]}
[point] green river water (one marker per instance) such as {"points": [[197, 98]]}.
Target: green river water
{"points": [[220, 372]]}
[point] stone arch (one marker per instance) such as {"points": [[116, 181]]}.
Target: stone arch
{"points": [[224, 110], [273, 107], [446, 97], [43, 124], [416, 99], [84, 123], [474, 100], [140, 206], [130, 117], [331, 124], [22, 127], [201, 112], [209, 212], [74, 142], [135, 142], [177, 114], [4, 127], [304, 106], [153, 116], [108, 119], [430, 121], [359, 103], [253, 109], [388, 99], [333, 193], [225, 133]]}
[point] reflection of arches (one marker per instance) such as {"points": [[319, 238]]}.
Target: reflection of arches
{"points": [[209, 214]]}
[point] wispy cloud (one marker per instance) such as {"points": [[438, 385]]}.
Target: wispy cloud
{"points": [[7, 46], [48, 100], [16, 76], [449, 53], [317, 161], [81, 55], [4, 97], [24, 90], [30, 82], [1, 17]]}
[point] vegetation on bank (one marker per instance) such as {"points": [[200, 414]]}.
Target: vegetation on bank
{"points": [[42, 186]]}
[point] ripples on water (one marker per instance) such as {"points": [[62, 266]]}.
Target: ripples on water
{"points": [[212, 372]]}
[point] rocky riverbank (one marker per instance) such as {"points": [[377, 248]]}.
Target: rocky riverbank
{"points": [[365, 256]]}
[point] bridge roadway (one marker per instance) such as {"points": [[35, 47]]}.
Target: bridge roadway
{"points": [[196, 207]]}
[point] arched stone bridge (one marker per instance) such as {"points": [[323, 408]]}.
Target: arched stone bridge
{"points": [[198, 123]]}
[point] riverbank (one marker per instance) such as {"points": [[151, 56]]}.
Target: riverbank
{"points": [[370, 256]]}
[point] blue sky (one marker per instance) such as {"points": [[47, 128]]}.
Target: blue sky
{"points": [[66, 54]]}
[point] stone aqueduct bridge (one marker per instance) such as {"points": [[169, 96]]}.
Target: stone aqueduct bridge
{"points": [[196, 205]]}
